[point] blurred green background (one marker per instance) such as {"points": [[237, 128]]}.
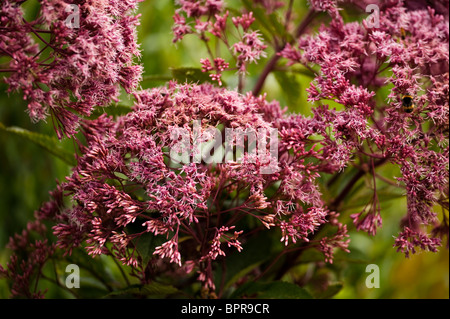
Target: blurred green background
{"points": [[28, 172]]}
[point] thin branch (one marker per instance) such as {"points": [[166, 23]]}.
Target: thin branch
{"points": [[305, 23], [265, 73], [7, 52], [41, 38], [288, 14]]}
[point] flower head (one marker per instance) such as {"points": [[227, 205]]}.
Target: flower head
{"points": [[86, 66]]}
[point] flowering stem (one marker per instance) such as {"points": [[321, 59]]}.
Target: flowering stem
{"points": [[288, 14], [269, 67], [40, 52], [372, 155], [222, 280], [376, 202], [241, 83], [37, 278], [189, 230], [382, 178], [211, 55], [238, 216], [233, 209]]}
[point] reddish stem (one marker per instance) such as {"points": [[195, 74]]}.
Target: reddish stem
{"points": [[273, 61]]}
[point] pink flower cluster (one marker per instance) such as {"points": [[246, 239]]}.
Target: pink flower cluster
{"points": [[22, 271], [219, 66], [409, 240], [127, 187], [409, 51], [248, 49], [125, 184], [71, 69]]}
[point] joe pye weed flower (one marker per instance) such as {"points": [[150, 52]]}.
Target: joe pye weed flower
{"points": [[179, 222]]}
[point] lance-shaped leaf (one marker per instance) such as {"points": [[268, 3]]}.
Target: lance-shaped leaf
{"points": [[50, 144]]}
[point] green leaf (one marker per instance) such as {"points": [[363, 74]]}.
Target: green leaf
{"points": [[146, 245], [301, 70], [96, 277], [50, 144], [271, 290], [279, 27], [156, 78], [31, 9], [332, 290], [238, 264], [291, 88], [311, 255], [196, 75], [152, 289]]}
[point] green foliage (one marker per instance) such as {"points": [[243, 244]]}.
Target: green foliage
{"points": [[146, 245], [292, 89], [271, 290], [151, 290], [50, 144], [239, 264]]}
